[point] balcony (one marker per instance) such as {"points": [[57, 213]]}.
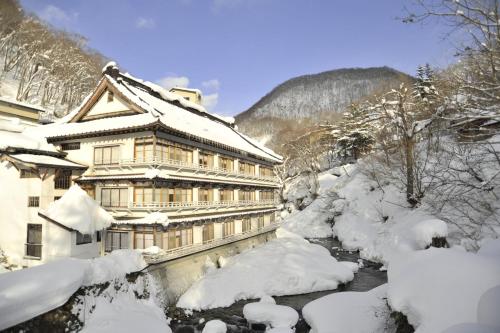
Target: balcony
{"points": [[184, 166], [196, 205]]}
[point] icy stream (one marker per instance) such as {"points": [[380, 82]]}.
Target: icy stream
{"points": [[367, 278]]}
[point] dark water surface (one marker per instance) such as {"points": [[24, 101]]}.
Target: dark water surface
{"points": [[367, 278]]}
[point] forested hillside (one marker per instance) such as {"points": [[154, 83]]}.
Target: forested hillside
{"points": [[42, 65], [306, 100]]}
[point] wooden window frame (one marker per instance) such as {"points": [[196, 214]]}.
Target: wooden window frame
{"points": [[33, 201], [109, 244], [70, 146], [82, 239], [119, 189], [33, 248], [102, 149]]}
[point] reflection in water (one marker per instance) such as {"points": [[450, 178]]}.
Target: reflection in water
{"points": [[367, 278]]}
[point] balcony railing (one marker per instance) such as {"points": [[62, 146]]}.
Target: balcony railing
{"points": [[178, 252], [33, 250], [200, 204], [190, 166]]}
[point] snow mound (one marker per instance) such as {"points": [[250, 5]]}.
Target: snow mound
{"points": [[117, 263], [29, 292], [426, 230], [470, 328], [76, 210], [284, 266], [215, 326], [439, 288], [358, 312], [488, 307], [271, 315]]}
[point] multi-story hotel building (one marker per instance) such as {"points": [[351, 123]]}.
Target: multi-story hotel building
{"points": [[149, 150]]}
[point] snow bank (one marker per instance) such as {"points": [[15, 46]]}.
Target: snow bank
{"points": [[215, 326], [426, 230], [360, 312], [283, 266], [76, 210], [271, 315], [312, 221], [27, 293], [11, 136], [117, 263], [439, 288]]}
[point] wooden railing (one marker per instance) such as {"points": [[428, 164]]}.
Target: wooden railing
{"points": [[154, 161], [166, 255], [200, 204]]}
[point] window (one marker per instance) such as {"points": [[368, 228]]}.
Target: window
{"points": [[205, 194], [226, 195], [98, 235], [62, 179], [70, 146], [166, 150], [246, 224], [228, 229], [208, 232], [177, 238], [226, 163], [114, 197], [33, 201], [143, 196], [246, 168], [206, 160], [83, 238], [57, 198], [260, 221], [266, 195], [246, 195], [164, 195], [111, 96], [186, 98], [106, 155], [266, 172], [143, 149], [116, 241], [143, 240], [34, 241], [28, 173]]}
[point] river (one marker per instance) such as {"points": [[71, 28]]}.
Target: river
{"points": [[367, 278]]}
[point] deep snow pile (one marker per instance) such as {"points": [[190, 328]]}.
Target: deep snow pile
{"points": [[273, 316], [30, 292], [215, 326], [76, 210], [360, 312], [312, 221], [439, 288], [284, 266]]}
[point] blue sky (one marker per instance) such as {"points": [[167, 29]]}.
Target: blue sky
{"points": [[236, 51]]}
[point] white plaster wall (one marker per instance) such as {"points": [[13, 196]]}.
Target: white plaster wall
{"points": [[238, 226], [197, 234], [103, 106], [218, 230]]}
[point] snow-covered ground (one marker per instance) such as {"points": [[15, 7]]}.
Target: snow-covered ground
{"points": [[30, 292], [284, 266]]}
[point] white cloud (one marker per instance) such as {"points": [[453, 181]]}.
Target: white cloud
{"points": [[173, 81], [53, 14], [145, 23], [210, 101], [212, 84]]}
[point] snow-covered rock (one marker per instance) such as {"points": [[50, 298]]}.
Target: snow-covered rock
{"points": [[284, 266], [215, 326], [439, 288], [360, 312], [271, 315], [426, 230]]}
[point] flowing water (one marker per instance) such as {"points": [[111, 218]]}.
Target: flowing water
{"points": [[367, 278]]}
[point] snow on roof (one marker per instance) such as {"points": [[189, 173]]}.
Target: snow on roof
{"points": [[186, 89], [168, 114], [46, 160], [152, 218], [11, 136], [23, 104], [77, 211], [205, 217]]}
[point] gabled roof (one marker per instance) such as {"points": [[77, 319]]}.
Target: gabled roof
{"points": [[155, 106], [44, 160]]}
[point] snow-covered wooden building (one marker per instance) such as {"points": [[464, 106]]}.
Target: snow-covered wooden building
{"points": [[149, 150], [33, 175]]}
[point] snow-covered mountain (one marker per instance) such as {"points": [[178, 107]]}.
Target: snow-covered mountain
{"points": [[317, 97]]}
